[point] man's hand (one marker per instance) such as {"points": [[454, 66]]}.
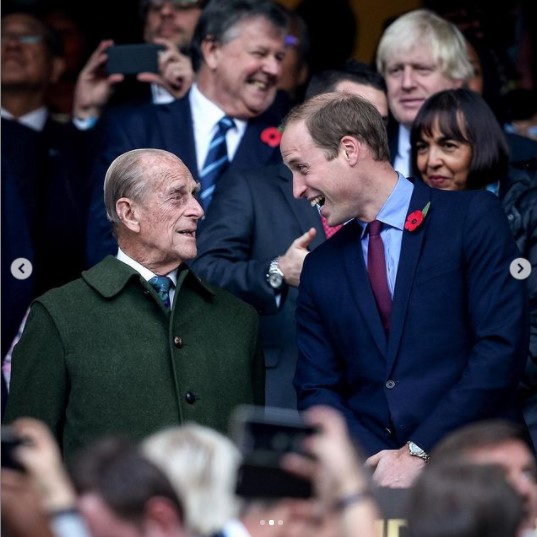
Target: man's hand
{"points": [[93, 86], [175, 70], [394, 468], [41, 457], [291, 262]]}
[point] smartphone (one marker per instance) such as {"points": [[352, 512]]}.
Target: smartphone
{"points": [[9, 442], [264, 435], [133, 59]]}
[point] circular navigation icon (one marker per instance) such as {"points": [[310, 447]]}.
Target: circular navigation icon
{"points": [[520, 268], [21, 268]]}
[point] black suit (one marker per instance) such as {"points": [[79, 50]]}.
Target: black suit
{"points": [[253, 218]]}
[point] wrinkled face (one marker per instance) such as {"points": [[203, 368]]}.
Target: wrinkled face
{"points": [[168, 215], [171, 20], [375, 96], [246, 70], [442, 161], [26, 61], [322, 182], [517, 460], [102, 521], [411, 77]]}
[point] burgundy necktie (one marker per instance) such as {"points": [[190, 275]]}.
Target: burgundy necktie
{"points": [[376, 267], [329, 230]]}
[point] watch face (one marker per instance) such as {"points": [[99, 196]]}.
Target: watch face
{"points": [[275, 280]]}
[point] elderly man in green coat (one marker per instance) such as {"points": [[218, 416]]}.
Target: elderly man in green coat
{"points": [[138, 342]]}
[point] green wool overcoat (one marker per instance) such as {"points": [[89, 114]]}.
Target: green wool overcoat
{"points": [[101, 356]]}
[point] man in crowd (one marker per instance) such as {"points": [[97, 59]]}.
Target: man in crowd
{"points": [[43, 171], [138, 342], [409, 321], [122, 493], [419, 54], [496, 442]]}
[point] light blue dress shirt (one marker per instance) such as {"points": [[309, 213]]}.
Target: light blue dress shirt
{"points": [[393, 215]]}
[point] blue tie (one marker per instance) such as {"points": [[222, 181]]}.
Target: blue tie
{"points": [[162, 285], [216, 161]]}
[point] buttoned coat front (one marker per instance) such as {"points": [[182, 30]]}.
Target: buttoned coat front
{"points": [[101, 355]]}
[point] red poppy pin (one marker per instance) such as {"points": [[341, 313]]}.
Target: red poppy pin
{"points": [[271, 136], [415, 219]]}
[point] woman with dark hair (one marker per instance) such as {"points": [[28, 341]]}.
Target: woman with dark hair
{"points": [[458, 144]]}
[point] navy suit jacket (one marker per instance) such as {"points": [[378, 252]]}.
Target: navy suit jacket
{"points": [[253, 218], [168, 127], [459, 326]]}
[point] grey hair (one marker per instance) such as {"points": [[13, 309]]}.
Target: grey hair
{"points": [[443, 38], [126, 178]]}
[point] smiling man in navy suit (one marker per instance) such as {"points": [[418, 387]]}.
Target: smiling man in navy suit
{"points": [[430, 338]]}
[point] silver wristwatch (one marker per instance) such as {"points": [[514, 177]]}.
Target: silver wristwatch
{"points": [[275, 275], [416, 451]]}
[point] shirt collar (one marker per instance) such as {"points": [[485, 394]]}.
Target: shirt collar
{"points": [[206, 114], [34, 120], [144, 272], [395, 209]]}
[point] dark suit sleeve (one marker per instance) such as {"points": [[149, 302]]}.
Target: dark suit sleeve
{"points": [[498, 313], [226, 241]]}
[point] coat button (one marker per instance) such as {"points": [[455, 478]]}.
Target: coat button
{"points": [[390, 384], [178, 342], [389, 432], [190, 398]]}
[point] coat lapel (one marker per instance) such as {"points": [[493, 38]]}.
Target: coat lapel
{"points": [[411, 248], [359, 281]]}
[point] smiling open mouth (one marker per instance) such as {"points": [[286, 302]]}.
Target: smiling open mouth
{"points": [[317, 201]]}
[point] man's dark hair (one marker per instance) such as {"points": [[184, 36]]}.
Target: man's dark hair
{"points": [[479, 435], [352, 71], [116, 471], [219, 16]]}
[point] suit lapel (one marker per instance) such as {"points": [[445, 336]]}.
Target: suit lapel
{"points": [[411, 248], [359, 281]]}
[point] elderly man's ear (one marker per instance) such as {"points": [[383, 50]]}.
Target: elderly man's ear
{"points": [[128, 214]]}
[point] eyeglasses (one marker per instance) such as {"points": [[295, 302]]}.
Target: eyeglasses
{"points": [[177, 5], [23, 39]]}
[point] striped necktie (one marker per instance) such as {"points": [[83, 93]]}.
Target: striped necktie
{"points": [[216, 161]]}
